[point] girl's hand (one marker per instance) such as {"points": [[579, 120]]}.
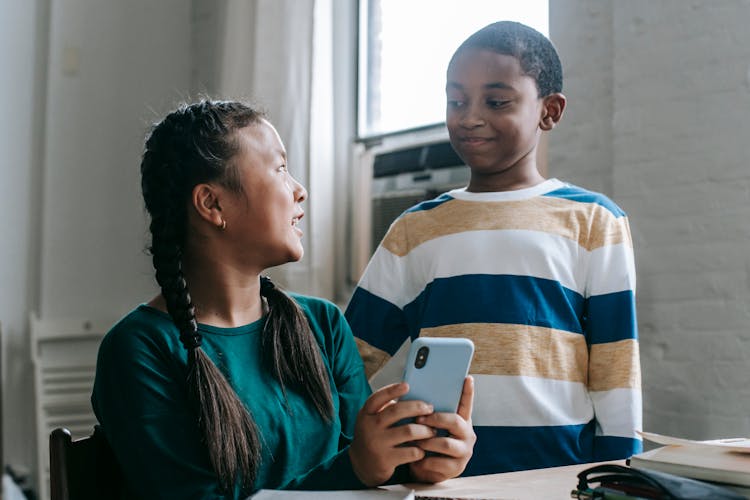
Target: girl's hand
{"points": [[378, 446], [453, 451]]}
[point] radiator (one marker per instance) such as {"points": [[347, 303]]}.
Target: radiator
{"points": [[63, 354]]}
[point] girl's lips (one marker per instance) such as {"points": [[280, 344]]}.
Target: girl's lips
{"points": [[295, 224]]}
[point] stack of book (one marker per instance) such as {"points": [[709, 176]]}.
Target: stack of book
{"points": [[725, 462]]}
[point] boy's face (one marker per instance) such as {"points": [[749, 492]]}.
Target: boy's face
{"points": [[494, 114]]}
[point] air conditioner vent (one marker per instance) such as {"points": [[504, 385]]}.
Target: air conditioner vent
{"points": [[414, 159]]}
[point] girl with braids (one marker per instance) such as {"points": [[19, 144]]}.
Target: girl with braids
{"points": [[223, 383]]}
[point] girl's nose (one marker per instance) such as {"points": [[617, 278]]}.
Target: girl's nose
{"points": [[300, 193]]}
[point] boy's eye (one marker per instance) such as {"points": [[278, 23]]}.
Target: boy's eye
{"points": [[454, 103], [282, 168], [496, 103]]}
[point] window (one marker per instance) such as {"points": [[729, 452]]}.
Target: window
{"points": [[404, 49]]}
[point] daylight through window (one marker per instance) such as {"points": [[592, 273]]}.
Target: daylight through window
{"points": [[404, 49]]}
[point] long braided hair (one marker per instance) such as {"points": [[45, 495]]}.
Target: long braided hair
{"points": [[194, 144]]}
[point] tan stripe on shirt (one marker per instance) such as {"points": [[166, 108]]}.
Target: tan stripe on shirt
{"points": [[545, 214]]}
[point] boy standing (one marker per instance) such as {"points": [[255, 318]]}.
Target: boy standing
{"points": [[538, 273]]}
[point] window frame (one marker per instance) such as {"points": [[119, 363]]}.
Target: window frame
{"points": [[362, 85]]}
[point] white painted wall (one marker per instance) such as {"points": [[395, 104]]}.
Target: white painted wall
{"points": [[658, 98], [123, 58], [82, 80], [20, 168]]}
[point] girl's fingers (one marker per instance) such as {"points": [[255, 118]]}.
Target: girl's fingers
{"points": [[406, 454], [450, 448], [435, 469], [447, 455], [452, 423], [408, 433], [405, 410], [467, 399], [401, 435], [384, 396]]}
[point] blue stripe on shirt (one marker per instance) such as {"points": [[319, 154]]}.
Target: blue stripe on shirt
{"points": [[612, 317], [615, 448], [475, 298], [488, 298], [430, 204], [505, 449], [376, 321], [574, 193]]}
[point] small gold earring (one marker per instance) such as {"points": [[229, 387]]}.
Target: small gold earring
{"points": [[223, 224]]}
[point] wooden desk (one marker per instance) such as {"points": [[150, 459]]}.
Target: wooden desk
{"points": [[548, 484]]}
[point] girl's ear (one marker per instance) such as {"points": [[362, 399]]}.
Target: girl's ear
{"points": [[553, 107], [205, 200]]}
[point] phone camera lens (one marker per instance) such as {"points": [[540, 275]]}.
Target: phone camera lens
{"points": [[422, 354]]}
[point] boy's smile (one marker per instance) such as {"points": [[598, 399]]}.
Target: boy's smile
{"points": [[495, 117]]}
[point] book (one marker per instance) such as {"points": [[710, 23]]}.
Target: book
{"points": [[704, 463], [332, 495], [351, 495], [725, 462], [740, 445]]}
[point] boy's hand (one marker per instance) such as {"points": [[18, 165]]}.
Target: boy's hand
{"points": [[378, 446], [453, 451]]}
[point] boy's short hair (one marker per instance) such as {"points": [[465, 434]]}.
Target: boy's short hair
{"points": [[534, 51]]}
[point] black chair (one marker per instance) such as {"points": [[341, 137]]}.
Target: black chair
{"points": [[84, 469]]}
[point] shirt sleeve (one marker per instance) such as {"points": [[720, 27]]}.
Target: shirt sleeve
{"points": [[144, 414], [610, 327], [376, 309]]}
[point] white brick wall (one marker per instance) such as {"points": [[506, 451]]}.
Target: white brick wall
{"points": [[659, 94], [581, 147]]}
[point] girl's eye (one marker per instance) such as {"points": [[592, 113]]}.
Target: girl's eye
{"points": [[455, 103], [283, 168]]}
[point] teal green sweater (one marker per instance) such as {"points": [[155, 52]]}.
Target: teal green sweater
{"points": [[139, 399]]}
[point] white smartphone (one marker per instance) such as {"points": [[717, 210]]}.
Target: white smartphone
{"points": [[435, 371]]}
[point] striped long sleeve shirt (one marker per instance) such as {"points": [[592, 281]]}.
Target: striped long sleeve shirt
{"points": [[543, 281]]}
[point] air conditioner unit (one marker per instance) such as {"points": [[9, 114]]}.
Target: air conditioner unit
{"points": [[395, 175]]}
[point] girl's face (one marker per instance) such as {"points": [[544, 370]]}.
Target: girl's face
{"points": [[262, 220]]}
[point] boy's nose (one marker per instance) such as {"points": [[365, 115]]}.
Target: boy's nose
{"points": [[471, 118]]}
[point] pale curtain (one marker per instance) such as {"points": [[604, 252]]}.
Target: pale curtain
{"points": [[278, 54]]}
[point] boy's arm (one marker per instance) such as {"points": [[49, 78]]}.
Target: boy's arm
{"points": [[376, 309], [614, 375], [379, 327]]}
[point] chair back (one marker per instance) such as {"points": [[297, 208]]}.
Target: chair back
{"points": [[84, 469]]}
